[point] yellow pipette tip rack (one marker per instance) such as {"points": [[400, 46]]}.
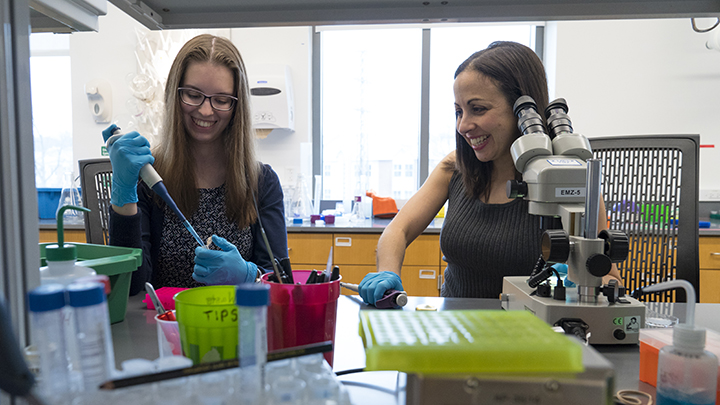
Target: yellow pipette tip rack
{"points": [[468, 341]]}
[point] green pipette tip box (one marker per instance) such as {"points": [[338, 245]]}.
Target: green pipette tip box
{"points": [[468, 341]]}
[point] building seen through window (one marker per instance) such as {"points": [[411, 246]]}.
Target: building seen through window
{"points": [[51, 108], [371, 102]]}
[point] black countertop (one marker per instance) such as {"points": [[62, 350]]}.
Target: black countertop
{"points": [[345, 226]]}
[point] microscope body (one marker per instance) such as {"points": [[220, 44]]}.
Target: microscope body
{"points": [[562, 181]]}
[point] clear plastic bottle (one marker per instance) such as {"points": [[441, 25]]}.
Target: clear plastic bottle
{"points": [[46, 304], [92, 325], [62, 267], [301, 206], [70, 195], [687, 373], [322, 389], [357, 215], [287, 390], [252, 301]]}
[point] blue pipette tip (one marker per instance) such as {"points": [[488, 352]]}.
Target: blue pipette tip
{"points": [[194, 234]]}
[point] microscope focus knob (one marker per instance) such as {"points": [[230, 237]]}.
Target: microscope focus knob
{"points": [[555, 246], [598, 265], [617, 244], [516, 188]]}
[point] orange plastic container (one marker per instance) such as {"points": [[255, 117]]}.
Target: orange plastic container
{"points": [[300, 314], [652, 340], [648, 363]]}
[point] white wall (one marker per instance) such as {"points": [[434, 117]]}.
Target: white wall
{"points": [[110, 54], [640, 77], [284, 150]]}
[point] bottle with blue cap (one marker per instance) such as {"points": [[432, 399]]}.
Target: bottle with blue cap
{"points": [[94, 340], [252, 301], [46, 304], [62, 267]]}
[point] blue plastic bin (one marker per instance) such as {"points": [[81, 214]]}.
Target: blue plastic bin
{"points": [[48, 200]]}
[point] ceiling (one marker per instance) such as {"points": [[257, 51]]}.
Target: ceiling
{"points": [[168, 14]]}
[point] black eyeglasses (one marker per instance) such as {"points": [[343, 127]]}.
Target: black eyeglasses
{"points": [[195, 98]]}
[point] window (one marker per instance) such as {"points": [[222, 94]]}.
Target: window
{"points": [[449, 47], [371, 81], [370, 95], [51, 108]]}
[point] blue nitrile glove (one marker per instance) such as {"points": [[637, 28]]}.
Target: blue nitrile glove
{"points": [[222, 267], [562, 270], [373, 285], [128, 154]]}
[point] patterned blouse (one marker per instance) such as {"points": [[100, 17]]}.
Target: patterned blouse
{"points": [[177, 250]]}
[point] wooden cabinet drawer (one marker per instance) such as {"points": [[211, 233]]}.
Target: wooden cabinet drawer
{"points": [[354, 249], [421, 281], [309, 248], [70, 235], [354, 275], [709, 247], [710, 286], [423, 251]]}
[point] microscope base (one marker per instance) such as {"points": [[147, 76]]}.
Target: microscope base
{"points": [[608, 323]]}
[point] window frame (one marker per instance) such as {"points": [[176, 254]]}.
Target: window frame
{"points": [[424, 141]]}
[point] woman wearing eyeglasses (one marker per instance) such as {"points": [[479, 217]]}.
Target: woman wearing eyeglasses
{"points": [[206, 158]]}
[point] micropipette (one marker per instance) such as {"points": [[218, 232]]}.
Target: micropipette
{"points": [[391, 298], [154, 181]]}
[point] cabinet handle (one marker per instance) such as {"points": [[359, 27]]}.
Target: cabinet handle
{"points": [[714, 254], [427, 274], [289, 248], [439, 279], [343, 241]]}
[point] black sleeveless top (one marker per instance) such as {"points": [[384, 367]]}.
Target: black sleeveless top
{"points": [[482, 243]]}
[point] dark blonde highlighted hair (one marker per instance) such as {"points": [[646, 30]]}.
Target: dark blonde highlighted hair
{"points": [[517, 71], [173, 157]]}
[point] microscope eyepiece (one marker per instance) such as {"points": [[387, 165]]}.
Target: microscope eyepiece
{"points": [[557, 119], [529, 120]]}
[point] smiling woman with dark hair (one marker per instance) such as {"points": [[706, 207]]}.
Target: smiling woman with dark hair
{"points": [[485, 236]]}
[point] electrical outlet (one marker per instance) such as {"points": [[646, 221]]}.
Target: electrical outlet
{"points": [[709, 195]]}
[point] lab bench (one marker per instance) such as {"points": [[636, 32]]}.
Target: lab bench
{"points": [[354, 246], [136, 337]]}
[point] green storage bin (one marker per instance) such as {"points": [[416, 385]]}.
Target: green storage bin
{"points": [[117, 263]]}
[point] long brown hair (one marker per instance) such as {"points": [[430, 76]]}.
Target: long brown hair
{"points": [[173, 157], [517, 71]]}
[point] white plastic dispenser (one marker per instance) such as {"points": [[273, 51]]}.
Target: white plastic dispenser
{"points": [[271, 96], [687, 373], [62, 267]]}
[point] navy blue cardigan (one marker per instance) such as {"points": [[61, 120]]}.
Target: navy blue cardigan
{"points": [[144, 229]]}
